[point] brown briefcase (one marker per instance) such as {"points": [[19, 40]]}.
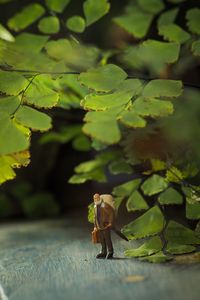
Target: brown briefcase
{"points": [[95, 236]]}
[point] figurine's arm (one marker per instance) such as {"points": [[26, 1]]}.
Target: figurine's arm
{"points": [[95, 224], [111, 217]]}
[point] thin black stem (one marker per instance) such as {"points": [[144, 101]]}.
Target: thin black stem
{"points": [[23, 93], [145, 78], [43, 72]]}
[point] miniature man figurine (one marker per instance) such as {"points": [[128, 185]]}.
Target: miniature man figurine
{"points": [[104, 221], [104, 211]]}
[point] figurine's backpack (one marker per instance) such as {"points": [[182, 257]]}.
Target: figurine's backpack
{"points": [[107, 198]]}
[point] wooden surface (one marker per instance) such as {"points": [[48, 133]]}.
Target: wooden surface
{"points": [[55, 260]]}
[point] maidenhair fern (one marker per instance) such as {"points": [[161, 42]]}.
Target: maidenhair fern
{"points": [[146, 123]]}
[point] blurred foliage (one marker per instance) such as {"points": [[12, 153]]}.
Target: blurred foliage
{"points": [[139, 111]]}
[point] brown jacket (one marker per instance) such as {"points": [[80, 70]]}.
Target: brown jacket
{"points": [[107, 216]]}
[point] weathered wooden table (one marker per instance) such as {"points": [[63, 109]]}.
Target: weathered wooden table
{"points": [[55, 260]]}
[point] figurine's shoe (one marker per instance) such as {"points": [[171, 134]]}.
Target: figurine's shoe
{"points": [[101, 255], [110, 255]]}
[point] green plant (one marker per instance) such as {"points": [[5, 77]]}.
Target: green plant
{"points": [[143, 120]]}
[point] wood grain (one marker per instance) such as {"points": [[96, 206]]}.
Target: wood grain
{"points": [[55, 260]]}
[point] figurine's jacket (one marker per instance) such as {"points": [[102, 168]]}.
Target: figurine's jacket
{"points": [[106, 216]]}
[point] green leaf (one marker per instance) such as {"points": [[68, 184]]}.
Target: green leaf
{"points": [[49, 25], [94, 10], [76, 24], [152, 6], [173, 174], [173, 248], [9, 104], [154, 185], [5, 34], [91, 213], [147, 55], [6, 171], [121, 96], [192, 194], [135, 21], [193, 20], [158, 165], [14, 160], [102, 127], [93, 169], [150, 223], [30, 117], [153, 48], [170, 196], [81, 143], [118, 202], [12, 83], [174, 33], [57, 6], [196, 47], [106, 101], [88, 166], [168, 17], [125, 189], [152, 107], [68, 100], [132, 119], [120, 166], [18, 136], [65, 135], [81, 57], [159, 257], [133, 86], [178, 234], [136, 202], [163, 88], [96, 175], [26, 16], [104, 78], [71, 82], [193, 211], [40, 93], [31, 42], [152, 246]]}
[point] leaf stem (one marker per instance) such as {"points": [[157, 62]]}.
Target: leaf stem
{"points": [[22, 95]]}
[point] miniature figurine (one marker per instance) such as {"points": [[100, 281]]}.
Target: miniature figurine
{"points": [[104, 212]]}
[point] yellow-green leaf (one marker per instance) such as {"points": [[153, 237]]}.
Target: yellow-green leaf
{"points": [[153, 245], [136, 202], [33, 118], [49, 25], [76, 24], [57, 5], [150, 223], [154, 184], [12, 83], [94, 10], [26, 16], [103, 78]]}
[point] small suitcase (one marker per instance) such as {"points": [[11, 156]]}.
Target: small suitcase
{"points": [[95, 236]]}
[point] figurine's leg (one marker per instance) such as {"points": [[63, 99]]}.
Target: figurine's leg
{"points": [[109, 243], [103, 252]]}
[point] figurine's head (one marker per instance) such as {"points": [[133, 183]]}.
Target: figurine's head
{"points": [[96, 198]]}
